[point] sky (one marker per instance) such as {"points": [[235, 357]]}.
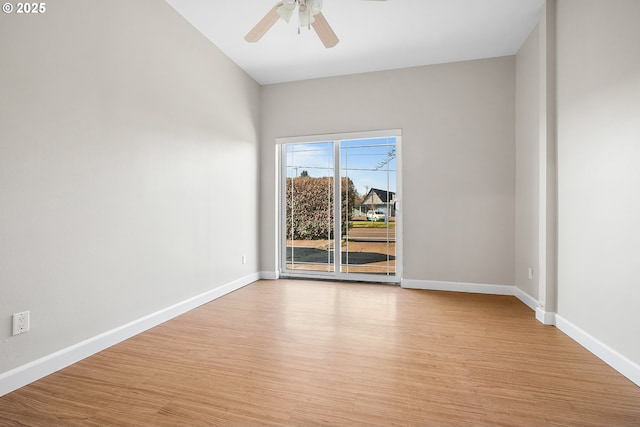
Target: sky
{"points": [[366, 161]]}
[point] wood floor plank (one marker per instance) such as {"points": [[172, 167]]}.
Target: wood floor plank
{"points": [[282, 353]]}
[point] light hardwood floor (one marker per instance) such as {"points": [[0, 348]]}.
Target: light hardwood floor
{"points": [[321, 353]]}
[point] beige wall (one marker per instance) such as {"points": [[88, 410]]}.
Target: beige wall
{"points": [[599, 170], [458, 132], [128, 169], [527, 163]]}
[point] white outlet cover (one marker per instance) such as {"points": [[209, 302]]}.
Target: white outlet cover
{"points": [[20, 323]]}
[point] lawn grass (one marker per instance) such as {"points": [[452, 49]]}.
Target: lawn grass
{"points": [[371, 224]]}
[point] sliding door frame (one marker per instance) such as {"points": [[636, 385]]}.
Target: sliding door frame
{"points": [[394, 279]]}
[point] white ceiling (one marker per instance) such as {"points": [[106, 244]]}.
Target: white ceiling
{"points": [[374, 35]]}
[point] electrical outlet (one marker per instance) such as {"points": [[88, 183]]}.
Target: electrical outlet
{"points": [[20, 323], [244, 259], [530, 273]]}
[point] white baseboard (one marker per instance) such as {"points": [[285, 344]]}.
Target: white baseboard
{"points": [[545, 317], [626, 367], [530, 301], [25, 374], [270, 275], [476, 288]]}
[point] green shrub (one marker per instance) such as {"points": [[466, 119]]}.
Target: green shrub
{"points": [[310, 207]]}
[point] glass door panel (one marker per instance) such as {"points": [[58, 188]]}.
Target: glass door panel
{"points": [[368, 193], [309, 207]]}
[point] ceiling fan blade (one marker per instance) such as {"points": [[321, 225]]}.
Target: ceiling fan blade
{"points": [[324, 31], [264, 25]]}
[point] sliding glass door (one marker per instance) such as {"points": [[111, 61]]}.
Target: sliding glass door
{"points": [[308, 206], [339, 207]]}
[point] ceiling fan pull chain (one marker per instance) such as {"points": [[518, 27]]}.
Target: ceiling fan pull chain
{"points": [[298, 1]]}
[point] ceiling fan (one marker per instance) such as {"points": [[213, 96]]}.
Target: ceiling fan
{"points": [[309, 15]]}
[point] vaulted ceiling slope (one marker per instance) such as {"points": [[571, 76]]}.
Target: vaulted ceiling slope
{"points": [[374, 35]]}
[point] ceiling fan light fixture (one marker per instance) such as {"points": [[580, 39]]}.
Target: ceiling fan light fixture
{"points": [[315, 6], [306, 18], [285, 12]]}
